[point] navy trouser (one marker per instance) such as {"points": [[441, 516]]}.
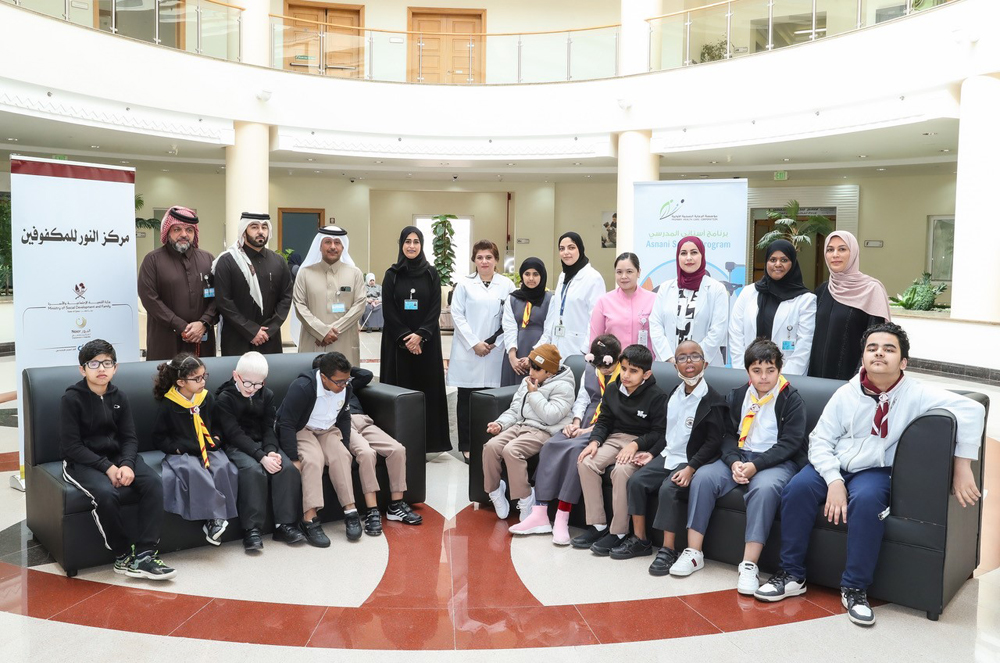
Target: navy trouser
{"points": [[867, 497]]}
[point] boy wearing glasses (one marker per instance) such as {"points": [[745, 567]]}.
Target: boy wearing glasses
{"points": [[695, 414], [244, 418], [314, 429], [100, 457]]}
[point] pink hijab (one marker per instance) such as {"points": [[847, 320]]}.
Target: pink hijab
{"points": [[691, 281], [852, 288]]}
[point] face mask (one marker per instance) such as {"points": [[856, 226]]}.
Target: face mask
{"points": [[691, 382]]}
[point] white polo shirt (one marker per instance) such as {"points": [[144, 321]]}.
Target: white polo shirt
{"points": [[681, 409], [327, 408]]}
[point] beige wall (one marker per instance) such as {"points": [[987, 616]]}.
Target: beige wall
{"points": [[204, 193], [578, 208]]}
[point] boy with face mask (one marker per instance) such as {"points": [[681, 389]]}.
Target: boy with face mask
{"points": [[245, 415]]}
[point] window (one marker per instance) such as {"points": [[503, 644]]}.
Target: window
{"points": [[940, 246], [461, 242]]}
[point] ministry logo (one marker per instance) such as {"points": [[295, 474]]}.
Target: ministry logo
{"points": [[669, 208], [80, 289]]}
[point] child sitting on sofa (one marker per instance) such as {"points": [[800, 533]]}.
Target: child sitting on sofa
{"points": [[540, 408], [100, 457]]}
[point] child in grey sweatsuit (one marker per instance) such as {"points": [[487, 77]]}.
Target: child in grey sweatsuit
{"points": [[541, 407]]}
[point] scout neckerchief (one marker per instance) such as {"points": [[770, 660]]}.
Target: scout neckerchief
{"points": [[602, 381], [205, 441], [880, 423], [526, 316], [756, 407]]}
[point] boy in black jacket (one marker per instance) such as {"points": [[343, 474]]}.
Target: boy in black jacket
{"points": [[763, 447], [696, 415], [244, 418], [631, 419], [100, 457], [314, 429]]}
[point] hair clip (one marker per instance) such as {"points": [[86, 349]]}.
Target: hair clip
{"points": [[608, 360], [589, 358]]}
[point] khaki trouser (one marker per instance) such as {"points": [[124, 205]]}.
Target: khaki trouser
{"points": [[368, 441], [514, 447], [591, 471], [316, 450]]}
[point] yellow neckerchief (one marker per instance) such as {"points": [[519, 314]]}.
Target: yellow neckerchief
{"points": [[602, 381], [756, 407], [200, 429], [526, 316]]}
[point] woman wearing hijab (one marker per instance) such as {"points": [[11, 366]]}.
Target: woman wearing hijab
{"points": [[567, 322], [372, 319], [524, 320], [411, 338], [692, 307], [778, 307], [846, 305], [625, 311]]}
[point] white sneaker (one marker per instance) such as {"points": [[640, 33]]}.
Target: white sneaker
{"points": [[499, 499], [781, 585], [691, 560], [525, 504], [748, 582], [855, 601]]}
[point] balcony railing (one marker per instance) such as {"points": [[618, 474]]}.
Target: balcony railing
{"points": [[328, 49], [206, 27], [734, 28]]}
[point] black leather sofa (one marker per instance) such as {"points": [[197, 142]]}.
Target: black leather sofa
{"points": [[59, 515], [931, 543]]}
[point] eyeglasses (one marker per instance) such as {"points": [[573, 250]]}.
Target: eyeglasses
{"points": [[247, 384], [688, 359], [338, 383], [106, 363], [199, 378]]}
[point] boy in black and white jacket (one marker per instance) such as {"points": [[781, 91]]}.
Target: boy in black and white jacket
{"points": [[851, 451]]}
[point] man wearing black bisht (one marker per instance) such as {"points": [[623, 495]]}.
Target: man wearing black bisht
{"points": [[253, 290]]}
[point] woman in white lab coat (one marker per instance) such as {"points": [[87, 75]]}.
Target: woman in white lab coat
{"points": [[567, 323], [477, 349], [778, 307], [692, 307]]}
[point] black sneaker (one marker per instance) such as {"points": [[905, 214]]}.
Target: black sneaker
{"points": [[289, 534], [858, 609], [149, 565], [315, 536], [631, 547], [122, 562], [780, 586], [213, 530], [402, 512], [373, 522], [602, 547], [589, 537], [665, 558], [252, 541], [353, 522]]}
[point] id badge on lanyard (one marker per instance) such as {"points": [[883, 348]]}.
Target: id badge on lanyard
{"points": [[560, 330], [411, 304], [208, 290], [643, 338], [788, 344]]}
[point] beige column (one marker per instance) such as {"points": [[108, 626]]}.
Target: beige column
{"points": [[633, 43], [635, 164], [257, 33], [976, 272], [247, 163]]}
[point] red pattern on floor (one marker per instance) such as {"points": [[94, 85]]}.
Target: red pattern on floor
{"points": [[9, 461], [447, 585]]}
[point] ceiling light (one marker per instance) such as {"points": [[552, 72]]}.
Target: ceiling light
{"points": [[11, 140], [165, 170], [946, 150], [862, 156], [309, 159], [378, 162], [223, 167], [713, 162], [315, 171], [786, 159], [880, 169], [409, 174], [704, 177], [95, 147], [929, 133], [587, 176], [512, 164], [124, 161], [576, 163], [445, 163]]}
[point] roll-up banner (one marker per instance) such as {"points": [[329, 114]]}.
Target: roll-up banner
{"points": [[74, 266]]}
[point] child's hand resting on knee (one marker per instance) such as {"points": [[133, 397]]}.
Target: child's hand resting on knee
{"points": [[493, 428]]}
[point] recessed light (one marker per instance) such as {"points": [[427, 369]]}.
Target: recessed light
{"points": [[576, 163], [166, 170], [11, 140], [946, 150], [862, 156], [123, 161], [409, 174], [95, 147], [445, 163], [713, 162], [880, 169], [223, 167], [845, 177], [929, 133], [786, 159], [586, 175], [512, 164], [378, 162], [315, 171], [309, 159], [704, 177]]}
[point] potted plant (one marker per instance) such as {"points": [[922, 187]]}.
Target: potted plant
{"points": [[444, 252], [921, 295], [787, 226]]}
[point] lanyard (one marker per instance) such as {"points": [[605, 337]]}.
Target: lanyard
{"points": [[562, 303]]}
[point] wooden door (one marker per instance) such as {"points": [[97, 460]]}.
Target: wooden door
{"points": [[302, 43], [447, 46], [341, 52], [344, 46]]}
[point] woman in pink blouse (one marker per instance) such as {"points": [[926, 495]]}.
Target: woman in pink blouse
{"points": [[624, 312]]}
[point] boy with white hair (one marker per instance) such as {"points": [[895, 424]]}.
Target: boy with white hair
{"points": [[245, 414]]}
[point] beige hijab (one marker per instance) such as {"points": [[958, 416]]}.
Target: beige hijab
{"points": [[852, 288]]}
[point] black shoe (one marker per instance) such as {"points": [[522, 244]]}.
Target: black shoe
{"points": [[252, 541], [313, 531], [373, 522], [631, 547], [664, 560], [589, 537], [402, 512], [289, 534], [353, 522], [213, 530], [149, 565], [602, 547]]}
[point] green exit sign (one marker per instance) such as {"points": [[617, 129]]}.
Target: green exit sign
{"points": [[780, 175]]}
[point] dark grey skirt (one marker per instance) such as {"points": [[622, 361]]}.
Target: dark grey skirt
{"points": [[372, 318], [557, 475], [196, 493]]}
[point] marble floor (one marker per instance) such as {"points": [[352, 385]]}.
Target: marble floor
{"points": [[458, 582]]}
